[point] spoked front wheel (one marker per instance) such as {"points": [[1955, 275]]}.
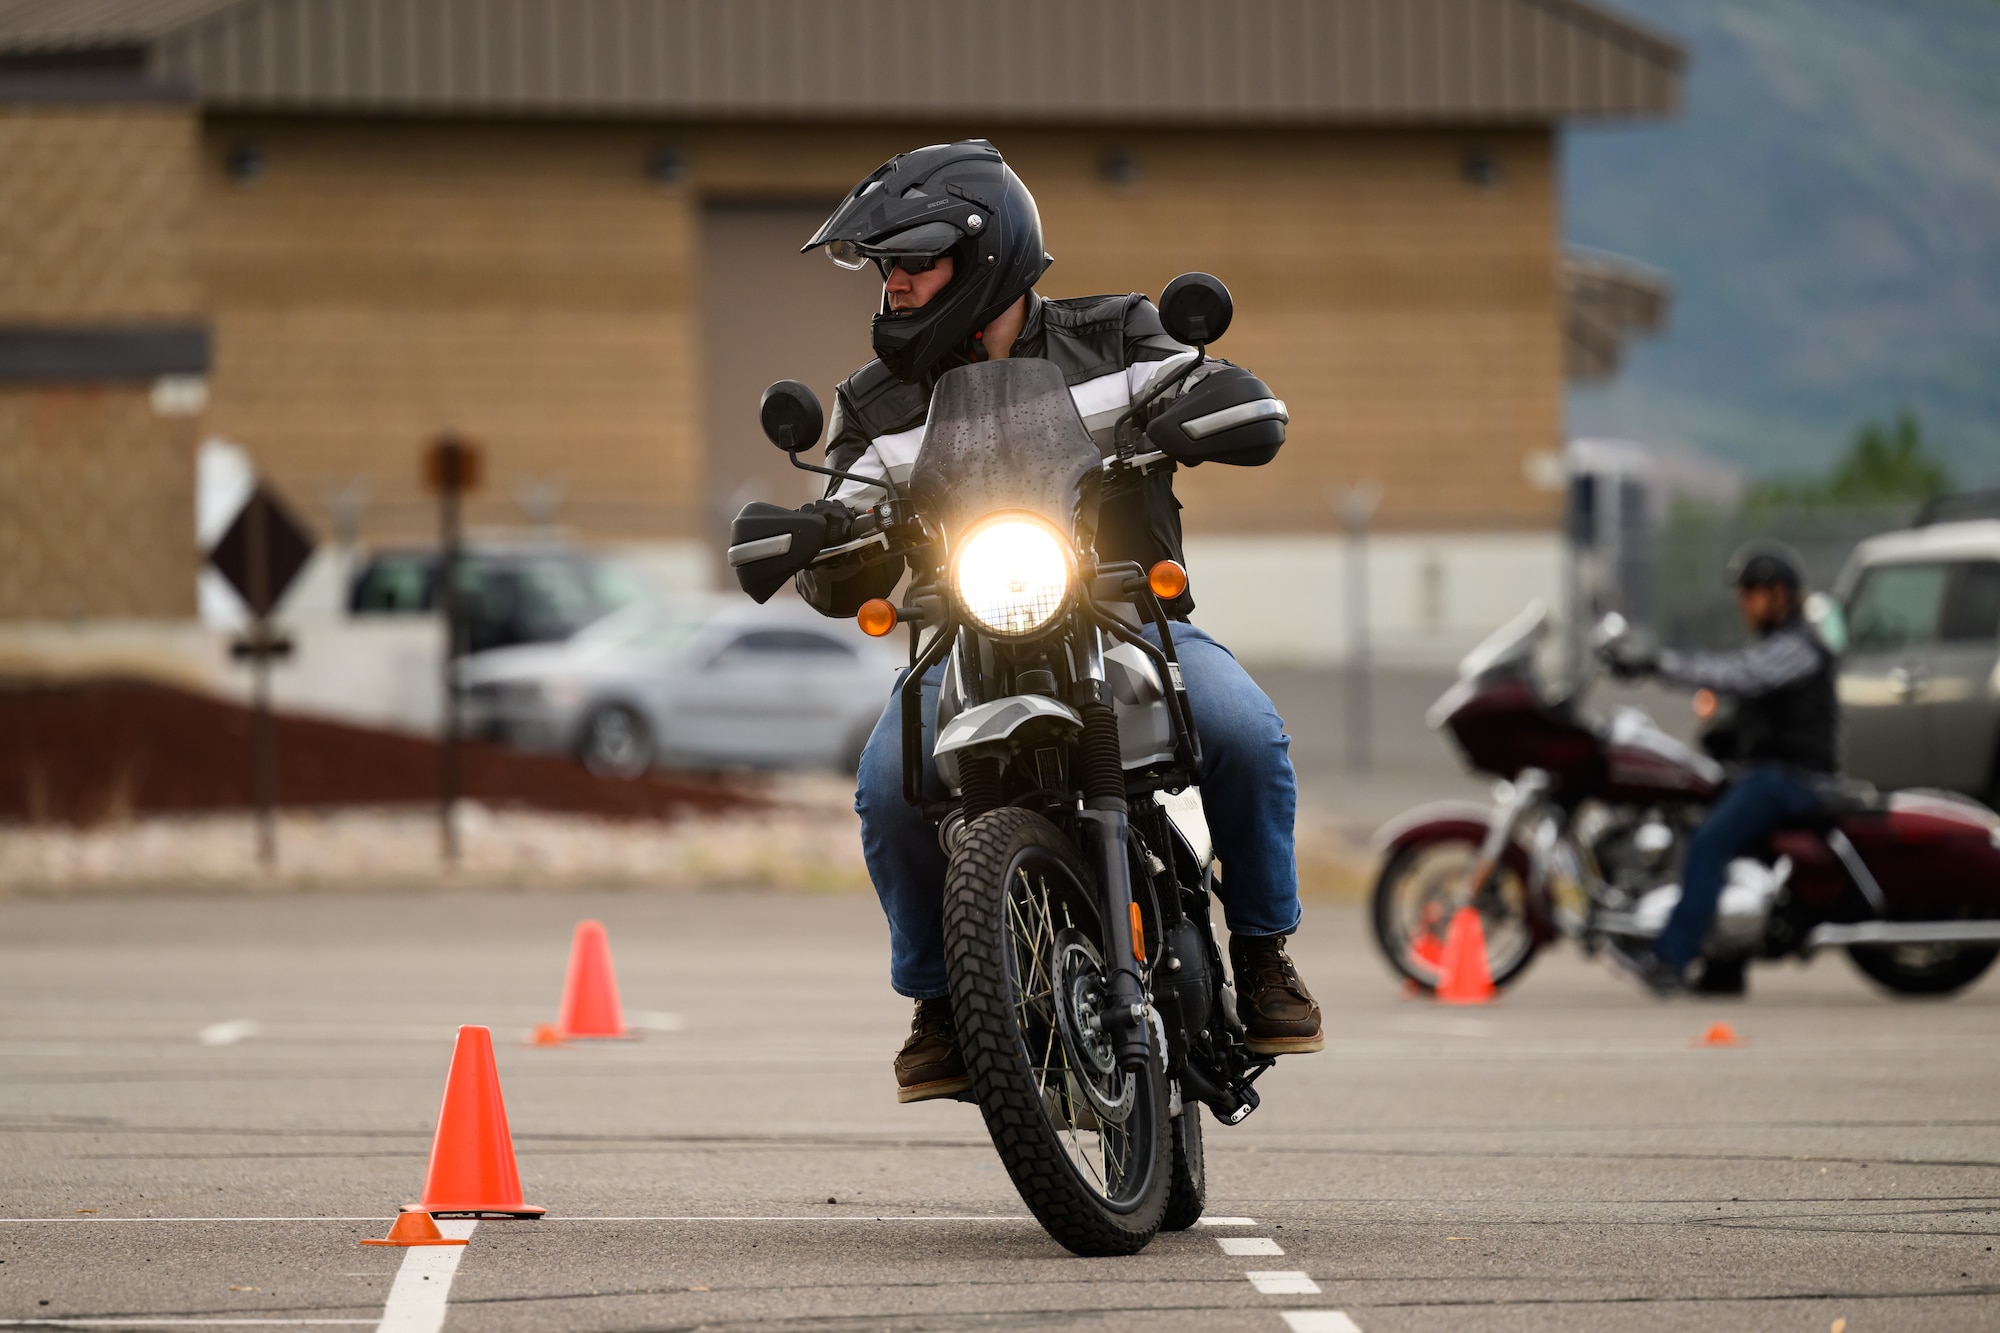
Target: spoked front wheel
{"points": [[1085, 1142], [1421, 888]]}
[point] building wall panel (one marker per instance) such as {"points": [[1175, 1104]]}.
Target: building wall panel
{"points": [[98, 218], [96, 504], [530, 286]]}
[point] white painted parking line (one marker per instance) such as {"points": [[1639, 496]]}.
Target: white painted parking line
{"points": [[1288, 1283], [423, 1284], [1229, 1221], [546, 1221], [227, 1033], [1320, 1321], [1248, 1245]]}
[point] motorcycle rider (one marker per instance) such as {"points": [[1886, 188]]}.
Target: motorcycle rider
{"points": [[957, 239], [1787, 738]]}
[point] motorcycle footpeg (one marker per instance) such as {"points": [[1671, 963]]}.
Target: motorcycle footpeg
{"points": [[1234, 1106]]}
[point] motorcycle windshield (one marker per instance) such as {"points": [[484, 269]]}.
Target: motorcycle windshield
{"points": [[1003, 435]]}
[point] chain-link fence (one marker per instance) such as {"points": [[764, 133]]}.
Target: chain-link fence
{"points": [[1690, 598]]}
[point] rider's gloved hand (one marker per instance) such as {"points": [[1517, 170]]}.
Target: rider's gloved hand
{"points": [[1628, 660], [839, 520]]}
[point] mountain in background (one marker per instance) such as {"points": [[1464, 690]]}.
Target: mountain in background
{"points": [[1828, 209]]}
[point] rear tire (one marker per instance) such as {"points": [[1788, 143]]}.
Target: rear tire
{"points": [[1189, 1192], [1088, 1147], [1923, 969]]}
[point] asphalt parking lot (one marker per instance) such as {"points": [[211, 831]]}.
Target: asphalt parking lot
{"points": [[206, 1102]]}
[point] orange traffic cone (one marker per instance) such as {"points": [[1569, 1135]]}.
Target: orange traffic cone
{"points": [[1719, 1034], [472, 1169], [590, 992], [1462, 974], [414, 1227]]}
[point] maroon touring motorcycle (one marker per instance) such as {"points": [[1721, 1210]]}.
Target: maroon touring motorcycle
{"points": [[1590, 826]]}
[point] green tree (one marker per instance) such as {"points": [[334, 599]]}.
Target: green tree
{"points": [[1886, 464]]}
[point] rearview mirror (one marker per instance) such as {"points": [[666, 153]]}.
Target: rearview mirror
{"points": [[1196, 309], [791, 417]]}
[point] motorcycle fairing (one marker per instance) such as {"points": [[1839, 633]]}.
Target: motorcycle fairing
{"points": [[1003, 435]]}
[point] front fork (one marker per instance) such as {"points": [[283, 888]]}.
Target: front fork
{"points": [[1105, 814], [1527, 791]]}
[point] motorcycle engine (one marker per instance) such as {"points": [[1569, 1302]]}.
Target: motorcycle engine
{"points": [[1635, 855], [1741, 913]]}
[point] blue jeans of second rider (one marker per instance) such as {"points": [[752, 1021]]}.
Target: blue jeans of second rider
{"points": [[1248, 792], [1761, 798]]}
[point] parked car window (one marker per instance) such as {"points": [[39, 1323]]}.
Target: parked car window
{"points": [[787, 641], [1895, 605], [1972, 607], [394, 583], [506, 598]]}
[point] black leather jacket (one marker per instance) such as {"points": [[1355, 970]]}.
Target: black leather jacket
{"points": [[1787, 709], [1109, 349]]}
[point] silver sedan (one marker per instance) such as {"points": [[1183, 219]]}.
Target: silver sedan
{"points": [[687, 685]]}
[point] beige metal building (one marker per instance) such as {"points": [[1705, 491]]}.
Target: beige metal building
{"points": [[326, 229]]}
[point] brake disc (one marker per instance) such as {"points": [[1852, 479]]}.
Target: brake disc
{"points": [[1080, 998]]}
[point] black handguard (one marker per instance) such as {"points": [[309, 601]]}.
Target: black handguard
{"points": [[1629, 660], [768, 544]]}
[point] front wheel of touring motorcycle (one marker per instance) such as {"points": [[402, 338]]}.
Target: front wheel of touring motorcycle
{"points": [[1086, 1143]]}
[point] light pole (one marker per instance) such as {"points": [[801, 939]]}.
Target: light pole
{"points": [[1356, 506]]}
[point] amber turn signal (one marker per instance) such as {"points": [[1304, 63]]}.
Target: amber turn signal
{"points": [[1704, 704], [1138, 924], [876, 617], [1167, 580]]}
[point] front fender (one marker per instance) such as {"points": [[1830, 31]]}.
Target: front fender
{"points": [[1468, 821], [995, 723], [1410, 826]]}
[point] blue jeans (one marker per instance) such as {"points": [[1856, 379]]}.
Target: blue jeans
{"points": [[1758, 801], [1247, 790]]}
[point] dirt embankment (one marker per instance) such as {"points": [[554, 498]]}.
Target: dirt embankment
{"points": [[84, 752]]}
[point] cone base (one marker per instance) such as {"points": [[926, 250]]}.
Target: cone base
{"points": [[525, 1212], [406, 1244], [596, 1036]]}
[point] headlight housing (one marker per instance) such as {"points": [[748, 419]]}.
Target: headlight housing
{"points": [[1013, 574]]}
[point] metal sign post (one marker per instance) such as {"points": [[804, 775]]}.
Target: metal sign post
{"points": [[451, 468], [260, 554], [1356, 506]]}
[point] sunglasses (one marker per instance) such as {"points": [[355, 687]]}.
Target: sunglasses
{"points": [[910, 264]]}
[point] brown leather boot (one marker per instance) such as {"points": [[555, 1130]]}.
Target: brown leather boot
{"points": [[1278, 1013], [929, 1064]]}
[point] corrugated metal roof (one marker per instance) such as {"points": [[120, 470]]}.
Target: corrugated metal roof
{"points": [[1297, 62], [68, 25]]}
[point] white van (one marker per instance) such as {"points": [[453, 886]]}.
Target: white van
{"points": [[1920, 683]]}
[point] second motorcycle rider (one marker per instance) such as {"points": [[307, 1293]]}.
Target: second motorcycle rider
{"points": [[958, 287]]}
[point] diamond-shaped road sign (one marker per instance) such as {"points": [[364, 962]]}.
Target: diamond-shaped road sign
{"points": [[286, 541]]}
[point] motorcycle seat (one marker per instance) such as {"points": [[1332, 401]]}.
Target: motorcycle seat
{"points": [[1838, 798]]}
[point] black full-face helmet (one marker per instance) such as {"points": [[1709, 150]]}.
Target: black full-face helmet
{"points": [[1767, 564], [957, 199]]}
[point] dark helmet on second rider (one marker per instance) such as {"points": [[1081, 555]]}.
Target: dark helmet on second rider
{"points": [[957, 199], [1765, 565]]}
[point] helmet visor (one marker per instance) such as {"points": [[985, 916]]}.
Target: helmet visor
{"points": [[925, 242]]}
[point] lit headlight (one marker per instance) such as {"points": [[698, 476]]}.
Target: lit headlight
{"points": [[1013, 575]]}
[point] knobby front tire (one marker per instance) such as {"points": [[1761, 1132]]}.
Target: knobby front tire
{"points": [[1188, 1194], [1088, 1148]]}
